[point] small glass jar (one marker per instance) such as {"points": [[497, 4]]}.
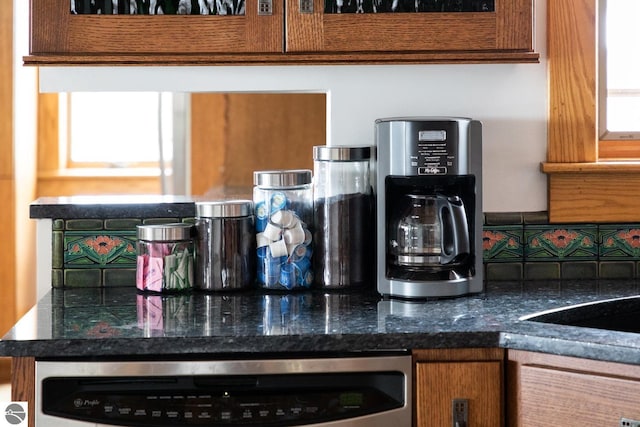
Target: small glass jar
{"points": [[283, 204], [165, 257], [226, 247], [344, 237]]}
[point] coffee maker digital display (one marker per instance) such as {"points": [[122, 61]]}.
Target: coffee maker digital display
{"points": [[429, 207]]}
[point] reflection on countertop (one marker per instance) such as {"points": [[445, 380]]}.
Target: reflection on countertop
{"points": [[97, 322]]}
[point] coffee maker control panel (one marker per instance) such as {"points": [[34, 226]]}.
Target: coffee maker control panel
{"points": [[433, 158], [432, 148]]}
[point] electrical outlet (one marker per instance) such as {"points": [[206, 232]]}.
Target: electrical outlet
{"points": [[460, 412], [626, 422]]}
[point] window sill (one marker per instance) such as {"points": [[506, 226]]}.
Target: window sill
{"points": [[101, 173], [631, 166], [597, 192], [72, 182]]}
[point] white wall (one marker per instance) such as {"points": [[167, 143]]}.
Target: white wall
{"points": [[510, 100]]}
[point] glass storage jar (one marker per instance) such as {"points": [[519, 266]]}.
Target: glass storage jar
{"points": [[344, 236], [225, 245], [283, 204], [165, 257]]}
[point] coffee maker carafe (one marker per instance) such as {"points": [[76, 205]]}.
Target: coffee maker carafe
{"points": [[429, 207], [430, 233]]}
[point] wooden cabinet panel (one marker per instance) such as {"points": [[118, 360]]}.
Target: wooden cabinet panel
{"points": [[546, 390], [285, 37], [23, 386], [575, 399], [508, 28], [437, 384], [54, 29], [448, 374]]}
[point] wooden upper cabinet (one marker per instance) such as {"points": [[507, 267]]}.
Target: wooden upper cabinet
{"points": [[305, 31], [506, 28], [57, 31]]}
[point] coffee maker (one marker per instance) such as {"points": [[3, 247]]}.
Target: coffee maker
{"points": [[429, 206]]}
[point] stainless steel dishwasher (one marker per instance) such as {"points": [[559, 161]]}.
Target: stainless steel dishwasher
{"points": [[372, 391]]}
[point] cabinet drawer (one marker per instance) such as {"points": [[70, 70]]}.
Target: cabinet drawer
{"points": [[551, 397]]}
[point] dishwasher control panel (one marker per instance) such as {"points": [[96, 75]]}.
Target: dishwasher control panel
{"points": [[358, 391], [277, 399]]}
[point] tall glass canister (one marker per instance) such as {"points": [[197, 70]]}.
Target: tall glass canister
{"points": [[225, 247], [344, 236], [283, 202]]}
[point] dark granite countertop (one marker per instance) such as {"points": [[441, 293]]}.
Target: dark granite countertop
{"points": [[129, 206], [95, 323], [83, 207]]}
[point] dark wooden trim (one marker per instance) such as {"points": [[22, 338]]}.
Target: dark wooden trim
{"points": [[355, 58]]}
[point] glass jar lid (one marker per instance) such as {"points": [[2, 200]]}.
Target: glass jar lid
{"points": [[165, 232], [224, 209], [341, 154], [282, 178]]}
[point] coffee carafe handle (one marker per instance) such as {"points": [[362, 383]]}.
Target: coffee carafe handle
{"points": [[454, 226]]}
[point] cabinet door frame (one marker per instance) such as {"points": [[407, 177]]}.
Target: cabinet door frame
{"points": [[542, 386], [55, 30], [509, 28], [441, 375]]}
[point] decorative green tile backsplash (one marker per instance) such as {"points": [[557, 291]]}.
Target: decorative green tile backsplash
{"points": [[516, 246], [545, 243], [525, 246], [503, 243], [97, 252]]}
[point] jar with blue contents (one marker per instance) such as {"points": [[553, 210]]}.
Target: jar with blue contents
{"points": [[283, 203]]}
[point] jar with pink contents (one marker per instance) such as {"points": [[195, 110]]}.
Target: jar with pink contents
{"points": [[165, 257]]}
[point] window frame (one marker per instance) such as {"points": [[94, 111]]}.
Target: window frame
{"points": [[589, 180], [605, 135], [55, 179]]}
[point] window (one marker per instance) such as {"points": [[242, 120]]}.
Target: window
{"points": [[588, 180], [619, 68], [110, 143], [116, 129], [125, 133]]}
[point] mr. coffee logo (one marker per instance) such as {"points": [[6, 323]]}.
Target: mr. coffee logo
{"points": [[14, 414], [432, 170], [85, 403]]}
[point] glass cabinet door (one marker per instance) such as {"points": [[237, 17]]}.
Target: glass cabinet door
{"points": [[409, 25], [155, 27]]}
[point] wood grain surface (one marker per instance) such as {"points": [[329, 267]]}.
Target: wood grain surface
{"points": [[23, 386], [475, 374], [547, 390], [571, 26], [7, 179], [506, 35], [235, 134]]}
